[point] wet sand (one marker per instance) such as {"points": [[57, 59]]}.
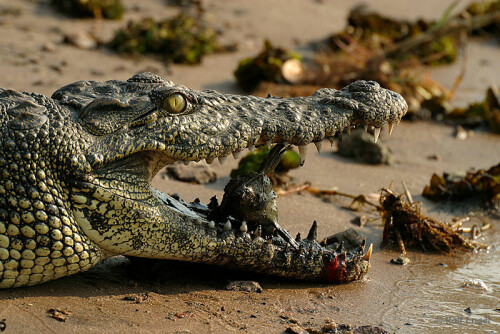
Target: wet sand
{"points": [[415, 298]]}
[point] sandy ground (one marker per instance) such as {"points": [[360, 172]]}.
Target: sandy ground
{"points": [[192, 298]]}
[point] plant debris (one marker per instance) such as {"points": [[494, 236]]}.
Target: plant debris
{"points": [[482, 183], [106, 9], [486, 111], [59, 314], [183, 39], [374, 47], [405, 226]]}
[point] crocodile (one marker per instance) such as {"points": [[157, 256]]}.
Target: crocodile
{"points": [[77, 170]]}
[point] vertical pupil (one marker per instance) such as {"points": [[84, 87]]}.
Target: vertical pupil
{"points": [[174, 103]]}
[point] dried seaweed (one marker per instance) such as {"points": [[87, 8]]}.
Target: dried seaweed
{"points": [[486, 111], [481, 183], [107, 9], [182, 39], [389, 51], [405, 226]]}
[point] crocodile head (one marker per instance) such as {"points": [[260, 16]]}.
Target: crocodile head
{"points": [[109, 139]]}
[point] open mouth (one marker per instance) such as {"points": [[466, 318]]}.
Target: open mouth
{"points": [[240, 232], [246, 219], [120, 211]]}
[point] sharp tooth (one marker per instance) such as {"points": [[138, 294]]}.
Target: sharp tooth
{"points": [[198, 221], [319, 146], [286, 144], [366, 128], [313, 232], [209, 160], [391, 127], [244, 227], [236, 155], [227, 226], [340, 136], [211, 224], [222, 160], [268, 143], [368, 254], [348, 130], [363, 243], [376, 133], [258, 231], [185, 162], [340, 247], [298, 238], [251, 147], [331, 139], [302, 154]]}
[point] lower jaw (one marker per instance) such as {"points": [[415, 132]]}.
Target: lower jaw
{"points": [[236, 245]]}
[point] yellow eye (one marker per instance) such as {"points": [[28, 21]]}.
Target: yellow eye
{"points": [[175, 103]]}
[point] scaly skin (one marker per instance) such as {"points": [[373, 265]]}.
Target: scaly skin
{"points": [[76, 172]]}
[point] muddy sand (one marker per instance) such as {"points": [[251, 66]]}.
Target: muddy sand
{"points": [[423, 297]]}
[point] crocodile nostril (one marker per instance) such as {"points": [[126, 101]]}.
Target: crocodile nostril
{"points": [[363, 86]]}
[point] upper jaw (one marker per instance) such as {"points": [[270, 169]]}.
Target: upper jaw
{"points": [[221, 125]]}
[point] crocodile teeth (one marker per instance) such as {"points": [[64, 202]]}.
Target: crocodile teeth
{"points": [[363, 243], [298, 238], [227, 226], [286, 144], [391, 126], [340, 247], [313, 232], [331, 140], [268, 143], [251, 147], [368, 254], [185, 162], [376, 133], [348, 130], [236, 155], [319, 146], [244, 227], [302, 154], [366, 128], [258, 231], [211, 224], [209, 160], [222, 160]]}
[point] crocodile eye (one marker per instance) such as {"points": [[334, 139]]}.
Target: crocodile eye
{"points": [[175, 103]]}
